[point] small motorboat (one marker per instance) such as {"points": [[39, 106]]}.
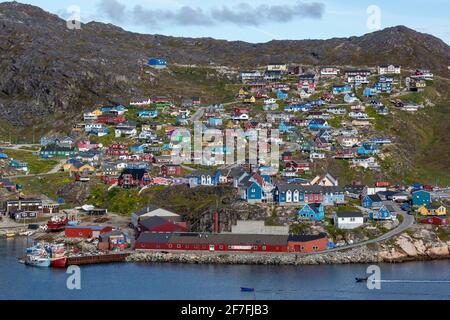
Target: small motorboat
{"points": [[36, 261], [361, 279], [243, 289]]}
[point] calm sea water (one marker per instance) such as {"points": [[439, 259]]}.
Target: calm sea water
{"points": [[182, 281]]}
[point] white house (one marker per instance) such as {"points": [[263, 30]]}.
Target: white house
{"points": [[242, 116], [348, 220], [389, 69], [329, 71], [277, 67], [250, 75]]}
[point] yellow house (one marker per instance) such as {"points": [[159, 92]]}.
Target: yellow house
{"points": [[81, 168], [97, 112], [243, 92], [432, 210], [250, 99], [67, 166]]}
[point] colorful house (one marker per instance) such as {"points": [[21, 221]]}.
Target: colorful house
{"points": [[342, 89], [200, 178], [313, 211], [372, 201], [420, 197], [384, 213], [157, 63], [318, 124], [432, 210]]}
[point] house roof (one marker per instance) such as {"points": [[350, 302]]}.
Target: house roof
{"points": [[349, 215], [306, 237], [374, 197], [151, 208], [154, 222], [136, 173]]}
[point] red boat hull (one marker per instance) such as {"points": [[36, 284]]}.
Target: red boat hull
{"points": [[59, 263], [56, 226]]}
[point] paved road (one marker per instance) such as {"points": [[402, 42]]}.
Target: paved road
{"points": [[198, 114], [408, 221]]}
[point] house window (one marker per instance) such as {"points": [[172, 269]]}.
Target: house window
{"points": [[264, 248], [315, 248], [178, 246], [221, 247], [170, 245]]}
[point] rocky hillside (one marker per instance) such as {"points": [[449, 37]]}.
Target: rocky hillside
{"points": [[50, 73]]}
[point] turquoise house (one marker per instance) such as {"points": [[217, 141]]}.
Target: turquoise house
{"points": [[313, 211], [420, 197]]}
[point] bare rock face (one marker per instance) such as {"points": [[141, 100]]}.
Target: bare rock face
{"points": [[392, 255], [420, 247], [440, 251], [406, 244]]}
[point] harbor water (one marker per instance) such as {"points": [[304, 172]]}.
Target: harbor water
{"points": [[414, 280]]}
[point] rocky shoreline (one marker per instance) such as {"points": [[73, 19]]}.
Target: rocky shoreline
{"points": [[420, 246]]}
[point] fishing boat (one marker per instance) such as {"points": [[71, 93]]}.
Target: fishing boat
{"points": [[57, 223], [243, 289], [10, 235], [37, 261], [58, 262]]}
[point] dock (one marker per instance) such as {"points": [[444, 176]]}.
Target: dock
{"points": [[97, 259]]}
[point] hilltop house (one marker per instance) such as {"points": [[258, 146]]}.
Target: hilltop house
{"points": [[326, 180], [386, 212], [389, 69], [133, 178]]}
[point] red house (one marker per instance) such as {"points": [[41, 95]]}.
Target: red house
{"points": [[86, 145], [158, 224], [85, 231], [438, 221], [111, 118], [239, 110], [171, 170], [231, 242], [117, 149], [299, 166], [286, 156], [134, 178]]}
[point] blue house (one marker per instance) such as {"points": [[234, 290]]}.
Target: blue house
{"points": [[214, 121], [384, 213], [281, 95], [147, 113], [368, 149], [137, 148], [313, 211], [333, 196], [372, 201], [420, 197], [252, 192], [283, 128], [342, 89], [201, 178], [369, 92], [157, 63], [318, 124]]}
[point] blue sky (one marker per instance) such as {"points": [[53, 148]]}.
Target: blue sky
{"points": [[257, 20]]}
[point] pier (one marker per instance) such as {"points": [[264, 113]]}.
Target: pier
{"points": [[96, 259]]}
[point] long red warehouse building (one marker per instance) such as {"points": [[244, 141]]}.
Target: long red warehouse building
{"points": [[231, 242]]}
